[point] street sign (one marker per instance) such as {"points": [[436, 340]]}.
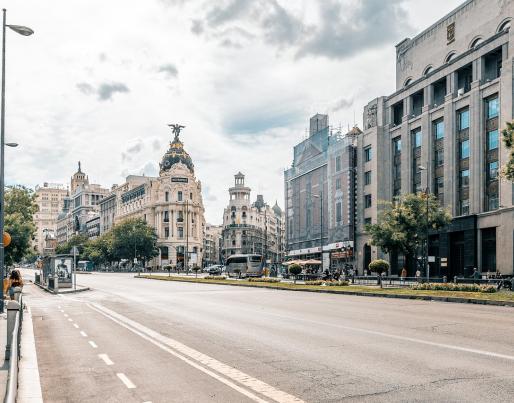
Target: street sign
{"points": [[74, 251], [431, 259]]}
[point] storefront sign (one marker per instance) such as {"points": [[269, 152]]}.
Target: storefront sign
{"points": [[179, 180]]}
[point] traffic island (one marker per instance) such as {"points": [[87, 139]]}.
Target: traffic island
{"points": [[80, 288], [502, 298]]}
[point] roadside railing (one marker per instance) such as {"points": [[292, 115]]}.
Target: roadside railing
{"points": [[12, 349]]}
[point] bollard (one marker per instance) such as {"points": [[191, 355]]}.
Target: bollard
{"points": [[13, 308], [17, 293]]}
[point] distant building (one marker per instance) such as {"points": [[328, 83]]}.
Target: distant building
{"points": [[320, 196], [252, 228], [50, 201], [212, 243]]}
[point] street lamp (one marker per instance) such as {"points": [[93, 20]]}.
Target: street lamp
{"points": [[320, 197], [427, 190], [25, 31]]}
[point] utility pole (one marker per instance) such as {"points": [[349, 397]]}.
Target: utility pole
{"points": [[186, 256], [265, 236], [321, 227]]}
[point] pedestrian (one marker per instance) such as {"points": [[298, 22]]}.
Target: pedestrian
{"points": [[418, 275], [15, 280], [403, 274], [476, 274]]}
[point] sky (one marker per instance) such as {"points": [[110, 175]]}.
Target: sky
{"points": [[100, 80]]}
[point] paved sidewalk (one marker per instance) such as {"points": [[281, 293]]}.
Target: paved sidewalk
{"points": [[4, 369]]}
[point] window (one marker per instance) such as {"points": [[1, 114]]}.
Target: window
{"points": [[417, 103], [492, 202], [492, 107], [166, 216], [367, 201], [416, 138], [367, 221], [180, 232], [368, 154], [439, 129], [179, 196], [492, 140], [339, 212], [492, 170], [439, 185], [397, 145], [464, 207], [167, 196], [338, 183], [166, 232], [464, 149], [190, 196], [367, 178], [464, 178], [398, 113], [439, 158], [463, 119], [338, 163]]}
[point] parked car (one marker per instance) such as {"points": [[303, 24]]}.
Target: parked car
{"points": [[215, 269]]}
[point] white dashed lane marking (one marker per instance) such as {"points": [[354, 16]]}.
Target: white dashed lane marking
{"points": [[70, 320], [105, 359], [76, 326], [126, 381], [84, 334], [65, 315], [93, 344]]}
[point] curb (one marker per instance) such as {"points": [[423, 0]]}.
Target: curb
{"points": [[61, 292], [361, 293]]}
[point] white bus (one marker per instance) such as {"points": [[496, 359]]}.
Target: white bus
{"points": [[244, 266]]}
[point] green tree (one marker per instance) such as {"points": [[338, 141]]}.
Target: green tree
{"points": [[20, 207], [79, 241], [401, 226], [134, 238], [100, 250], [294, 269], [508, 140], [379, 266]]}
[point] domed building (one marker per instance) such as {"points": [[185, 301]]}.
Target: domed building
{"points": [[171, 203]]}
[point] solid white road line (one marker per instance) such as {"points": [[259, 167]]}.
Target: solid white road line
{"points": [[76, 326], [194, 358], [29, 387], [84, 334], [105, 359], [126, 381], [70, 320], [93, 344]]}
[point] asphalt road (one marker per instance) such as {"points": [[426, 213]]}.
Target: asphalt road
{"points": [[136, 340]]}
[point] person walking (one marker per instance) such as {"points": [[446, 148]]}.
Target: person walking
{"points": [[476, 274], [418, 275], [403, 274]]}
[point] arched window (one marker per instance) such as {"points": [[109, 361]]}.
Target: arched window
{"points": [[504, 26], [475, 42], [428, 70], [450, 56], [407, 82]]}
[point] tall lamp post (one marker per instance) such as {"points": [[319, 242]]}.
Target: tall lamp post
{"points": [[320, 197], [427, 191], [25, 31]]}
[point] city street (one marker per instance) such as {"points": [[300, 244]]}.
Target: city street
{"points": [[137, 340]]}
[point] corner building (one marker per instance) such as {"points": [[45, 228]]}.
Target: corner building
{"points": [[454, 89]]}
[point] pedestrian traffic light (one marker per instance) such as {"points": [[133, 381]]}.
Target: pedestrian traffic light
{"points": [[7, 239]]}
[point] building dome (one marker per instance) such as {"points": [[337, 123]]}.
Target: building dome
{"points": [[277, 209], [176, 153]]}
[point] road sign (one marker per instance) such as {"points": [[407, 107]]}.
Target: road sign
{"points": [[74, 251], [431, 259]]}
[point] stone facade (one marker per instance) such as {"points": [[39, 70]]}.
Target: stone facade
{"points": [[320, 196], [454, 89], [50, 201], [252, 227], [212, 243]]}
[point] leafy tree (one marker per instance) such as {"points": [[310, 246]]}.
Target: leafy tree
{"points": [[379, 266], [20, 207], [100, 250], [508, 140], [295, 269], [196, 269], [134, 238], [76, 240], [401, 226]]}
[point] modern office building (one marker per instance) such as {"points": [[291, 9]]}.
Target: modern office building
{"points": [[252, 227], [440, 130], [320, 196]]}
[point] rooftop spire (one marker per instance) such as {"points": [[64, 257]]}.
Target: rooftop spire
{"points": [[176, 128], [80, 171]]}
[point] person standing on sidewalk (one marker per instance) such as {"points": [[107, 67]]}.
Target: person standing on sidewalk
{"points": [[403, 274]]}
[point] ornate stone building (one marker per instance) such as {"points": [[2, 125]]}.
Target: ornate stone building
{"points": [[171, 203], [252, 228]]}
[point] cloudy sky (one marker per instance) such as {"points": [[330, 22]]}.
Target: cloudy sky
{"points": [[100, 80]]}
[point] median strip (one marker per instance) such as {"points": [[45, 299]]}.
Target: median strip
{"points": [[505, 298]]}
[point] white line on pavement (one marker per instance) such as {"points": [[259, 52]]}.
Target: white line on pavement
{"points": [[70, 320], [76, 326], [58, 306], [194, 358], [126, 381], [105, 359], [65, 315], [93, 344], [84, 334]]}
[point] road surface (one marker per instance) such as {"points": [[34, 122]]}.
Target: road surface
{"points": [[137, 340]]}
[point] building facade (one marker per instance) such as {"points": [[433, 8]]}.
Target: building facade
{"points": [[320, 196], [50, 201], [212, 243], [252, 228], [171, 203], [440, 131]]}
